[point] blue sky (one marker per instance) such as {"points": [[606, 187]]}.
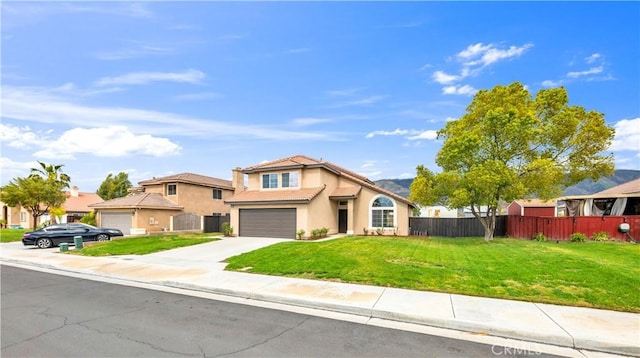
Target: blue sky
{"points": [[158, 88]]}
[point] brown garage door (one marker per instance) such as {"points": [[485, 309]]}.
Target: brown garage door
{"points": [[268, 223]]}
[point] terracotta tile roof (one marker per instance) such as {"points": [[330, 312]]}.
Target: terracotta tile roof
{"points": [[143, 200], [302, 161], [260, 196], [191, 178], [536, 203], [345, 192], [80, 203]]}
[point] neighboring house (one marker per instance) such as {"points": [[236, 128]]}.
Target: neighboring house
{"points": [[151, 206], [137, 213], [533, 207], [623, 199], [297, 193], [76, 206], [439, 211]]}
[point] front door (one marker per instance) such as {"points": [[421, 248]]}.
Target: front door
{"points": [[342, 221]]}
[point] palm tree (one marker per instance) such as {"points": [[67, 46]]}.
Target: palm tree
{"points": [[53, 173]]}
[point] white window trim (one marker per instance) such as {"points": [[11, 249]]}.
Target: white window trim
{"points": [[395, 212], [277, 181], [297, 173], [167, 188]]}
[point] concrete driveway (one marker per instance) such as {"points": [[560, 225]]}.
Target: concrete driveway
{"points": [[210, 255]]}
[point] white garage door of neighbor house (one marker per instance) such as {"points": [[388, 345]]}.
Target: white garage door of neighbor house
{"points": [[279, 223], [120, 221]]}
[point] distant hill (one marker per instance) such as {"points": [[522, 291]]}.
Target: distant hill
{"points": [[401, 186]]}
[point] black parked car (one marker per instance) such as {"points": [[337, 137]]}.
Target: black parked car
{"points": [[54, 235]]}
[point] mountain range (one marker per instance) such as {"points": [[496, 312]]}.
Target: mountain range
{"points": [[401, 186]]}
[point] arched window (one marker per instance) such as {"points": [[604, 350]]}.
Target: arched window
{"points": [[382, 212]]}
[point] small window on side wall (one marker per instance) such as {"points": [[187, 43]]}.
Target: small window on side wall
{"points": [[217, 194], [172, 189]]}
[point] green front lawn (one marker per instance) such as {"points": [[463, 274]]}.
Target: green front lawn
{"points": [[11, 235], [593, 274], [142, 245]]}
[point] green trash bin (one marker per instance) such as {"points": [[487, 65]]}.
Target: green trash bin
{"points": [[77, 240], [64, 247]]}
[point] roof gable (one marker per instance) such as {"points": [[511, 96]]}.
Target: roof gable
{"points": [[190, 178], [302, 161], [628, 188], [143, 200], [81, 202]]}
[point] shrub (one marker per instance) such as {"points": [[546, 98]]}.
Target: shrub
{"points": [[300, 234], [365, 231], [600, 236], [577, 237], [89, 219], [227, 229], [315, 233], [380, 231], [539, 237], [324, 231]]}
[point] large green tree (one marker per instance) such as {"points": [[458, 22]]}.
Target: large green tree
{"points": [[38, 192], [511, 145], [114, 187]]}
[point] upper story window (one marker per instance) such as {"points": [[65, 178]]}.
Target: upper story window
{"points": [[269, 181], [217, 194], [172, 189], [382, 213], [290, 180]]}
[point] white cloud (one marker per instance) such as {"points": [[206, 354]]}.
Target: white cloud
{"points": [[443, 78], [591, 71], [550, 83], [627, 136], [461, 90], [343, 92], [593, 58], [42, 105], [113, 141], [18, 137], [140, 78], [485, 55], [202, 96], [428, 134], [301, 122], [411, 134], [395, 132], [298, 50], [135, 51]]}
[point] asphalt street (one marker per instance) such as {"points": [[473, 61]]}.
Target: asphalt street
{"points": [[47, 315]]}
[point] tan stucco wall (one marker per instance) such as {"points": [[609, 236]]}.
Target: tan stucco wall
{"points": [[161, 219], [194, 198]]}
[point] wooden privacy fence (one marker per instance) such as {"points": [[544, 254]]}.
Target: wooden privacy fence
{"points": [[453, 227], [561, 228], [186, 221], [214, 223]]}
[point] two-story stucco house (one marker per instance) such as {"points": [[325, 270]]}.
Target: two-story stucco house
{"points": [[301, 193], [150, 207]]}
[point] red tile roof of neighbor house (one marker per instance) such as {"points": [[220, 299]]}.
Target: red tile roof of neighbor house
{"points": [[81, 202], [270, 196], [143, 200], [302, 161], [190, 178]]}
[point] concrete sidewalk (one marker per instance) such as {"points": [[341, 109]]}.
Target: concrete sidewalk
{"points": [[199, 268]]}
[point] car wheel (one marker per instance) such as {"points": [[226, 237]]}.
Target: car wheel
{"points": [[103, 237], [44, 243]]}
